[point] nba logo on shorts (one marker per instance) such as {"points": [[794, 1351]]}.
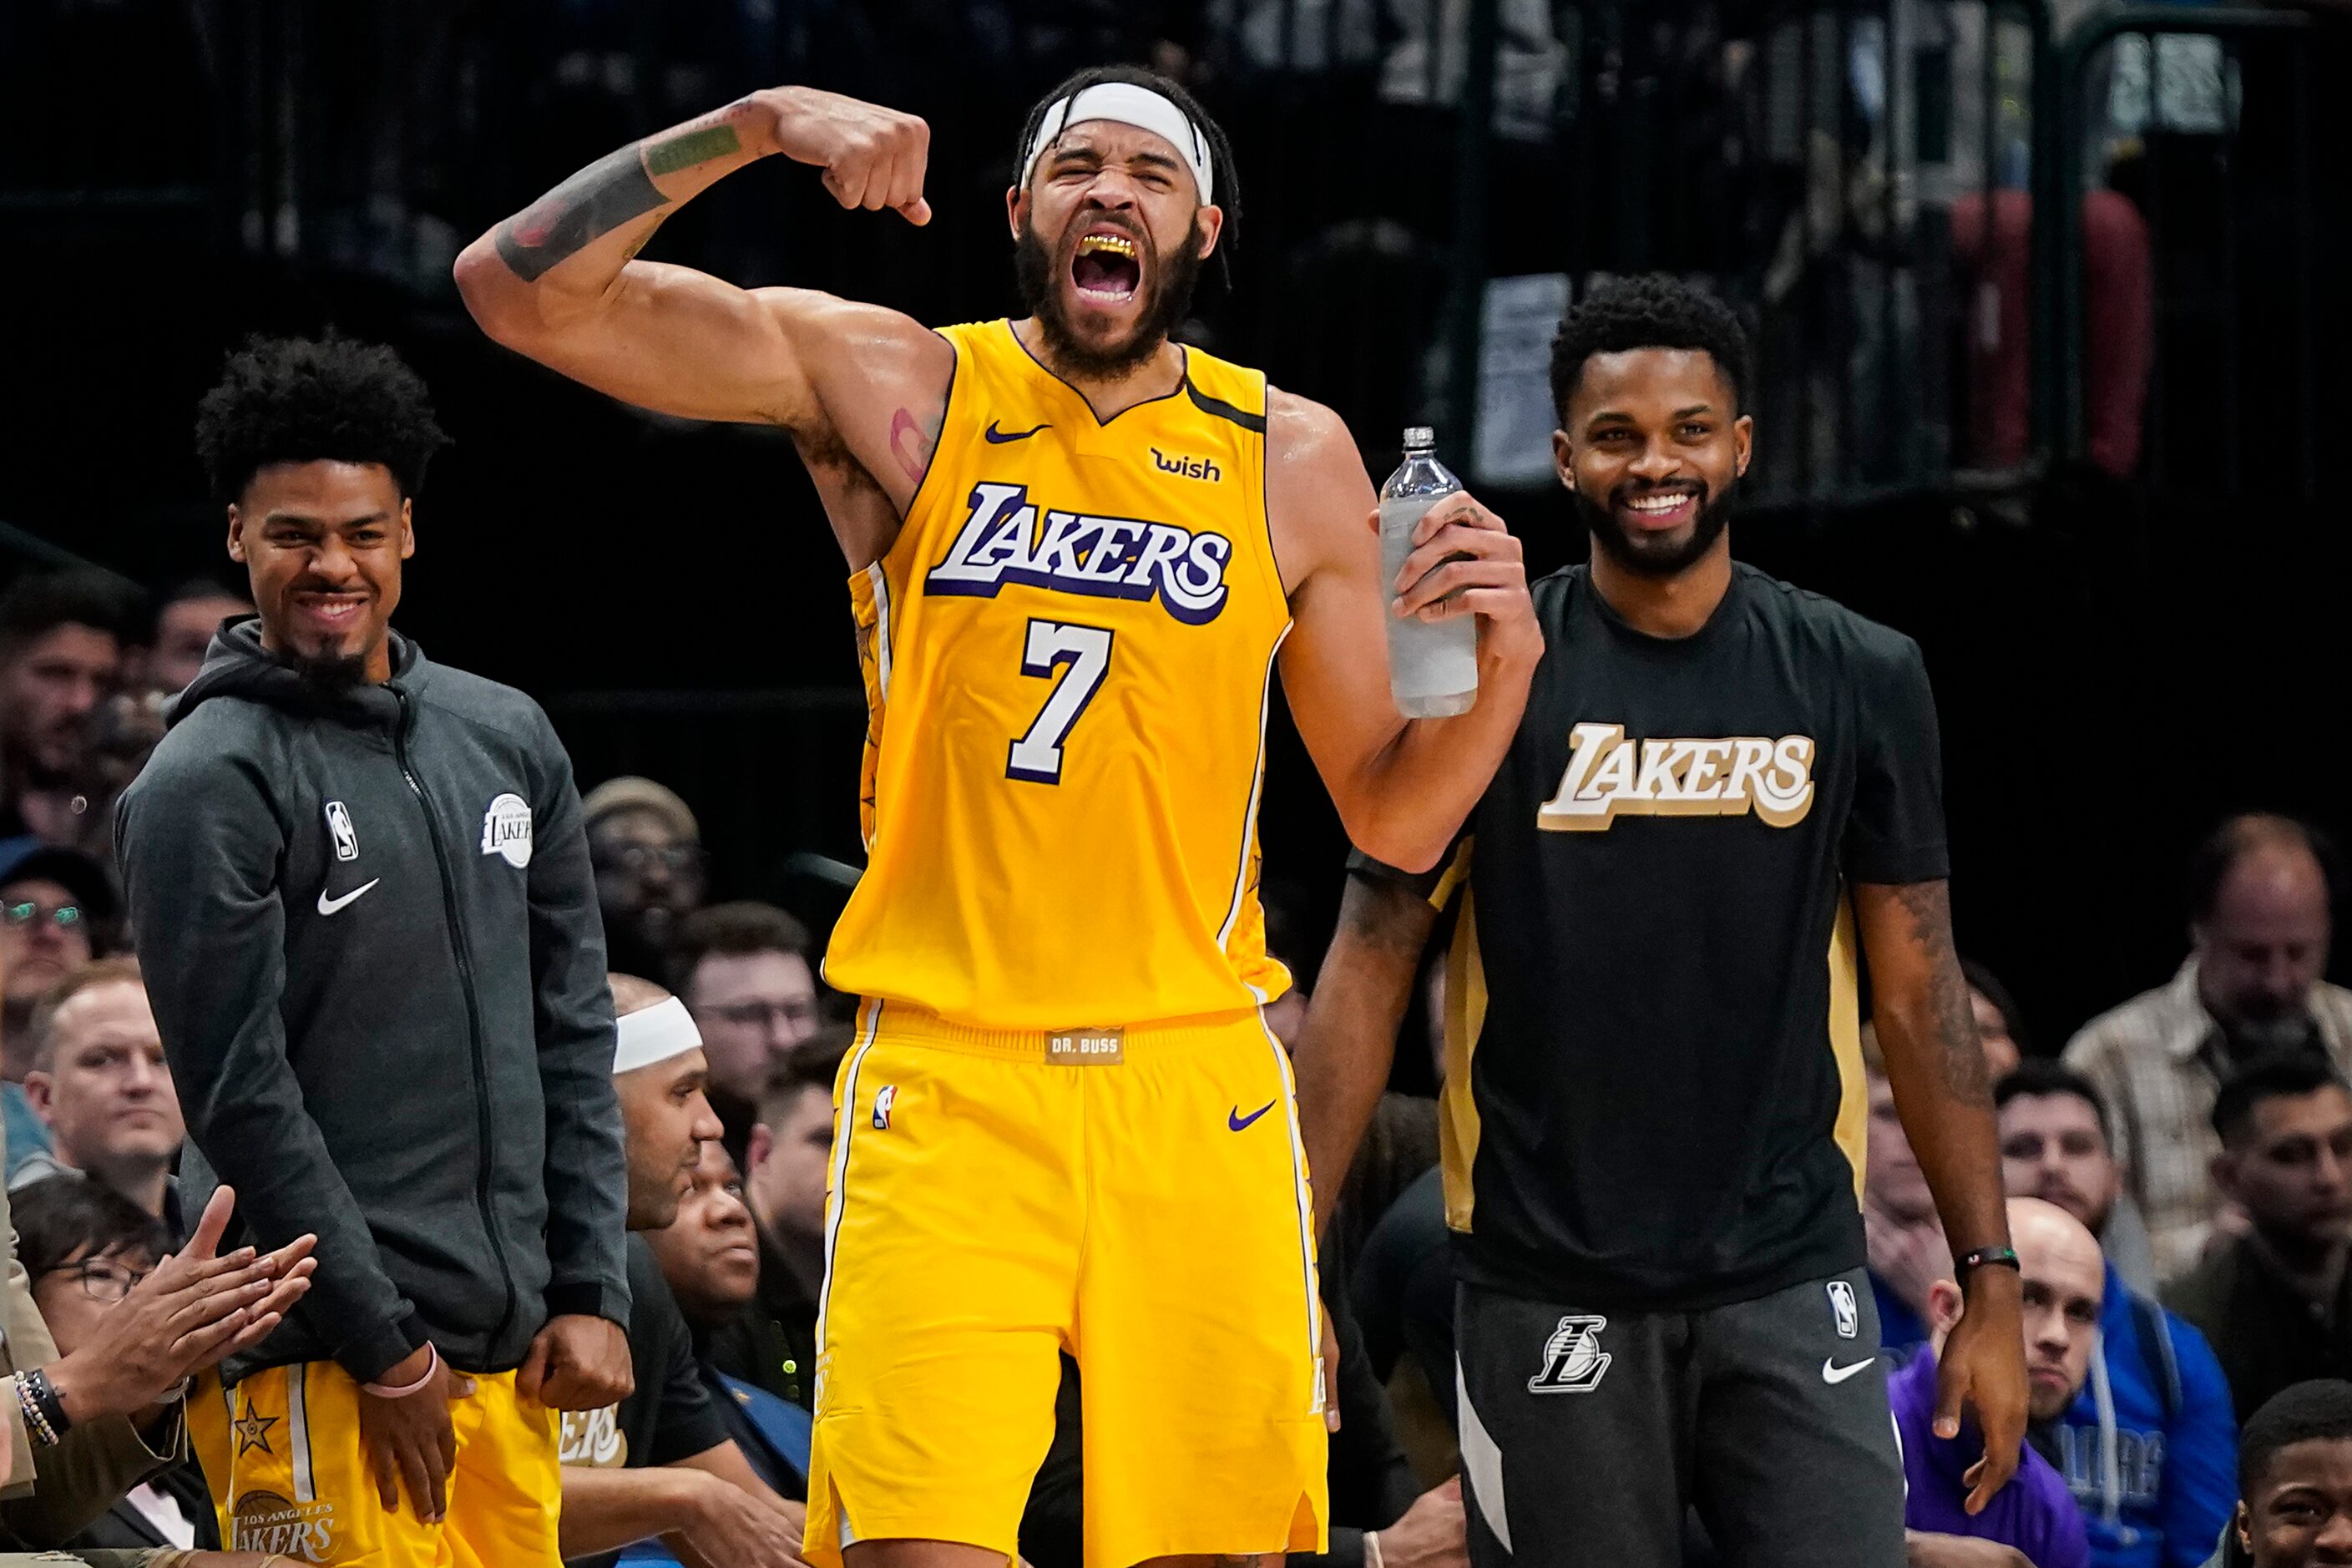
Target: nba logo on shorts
{"points": [[1849, 1319], [1574, 1359], [339, 824], [883, 1098]]}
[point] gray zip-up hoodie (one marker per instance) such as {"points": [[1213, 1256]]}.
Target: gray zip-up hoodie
{"points": [[369, 928]]}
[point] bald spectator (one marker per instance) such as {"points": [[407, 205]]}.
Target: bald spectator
{"points": [[60, 654], [646, 848], [2260, 929], [744, 972], [2063, 1277], [100, 1081], [2276, 1302]]}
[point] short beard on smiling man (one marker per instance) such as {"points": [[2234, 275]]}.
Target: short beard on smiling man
{"points": [[1649, 557], [1167, 296], [327, 678]]}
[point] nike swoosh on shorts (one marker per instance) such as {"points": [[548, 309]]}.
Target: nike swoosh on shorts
{"points": [[1236, 1120], [1833, 1373]]}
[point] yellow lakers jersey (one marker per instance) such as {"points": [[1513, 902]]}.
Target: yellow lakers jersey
{"points": [[1067, 656]]}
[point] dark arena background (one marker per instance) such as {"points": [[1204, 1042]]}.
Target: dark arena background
{"points": [[2041, 293]]}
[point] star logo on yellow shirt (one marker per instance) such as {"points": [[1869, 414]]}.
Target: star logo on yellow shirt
{"points": [[253, 1432]]}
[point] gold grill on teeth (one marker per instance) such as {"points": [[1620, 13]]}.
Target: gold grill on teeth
{"points": [[1110, 243]]}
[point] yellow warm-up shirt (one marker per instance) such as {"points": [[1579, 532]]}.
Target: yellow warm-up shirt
{"points": [[1067, 655]]}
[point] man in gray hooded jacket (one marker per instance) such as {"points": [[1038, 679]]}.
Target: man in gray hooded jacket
{"points": [[365, 909]]}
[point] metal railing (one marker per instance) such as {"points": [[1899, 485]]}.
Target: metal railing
{"points": [[2225, 100], [1843, 172]]}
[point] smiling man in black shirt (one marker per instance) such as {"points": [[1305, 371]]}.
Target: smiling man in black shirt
{"points": [[1725, 793]]}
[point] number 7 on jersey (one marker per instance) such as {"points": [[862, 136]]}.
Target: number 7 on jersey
{"points": [[1037, 755]]}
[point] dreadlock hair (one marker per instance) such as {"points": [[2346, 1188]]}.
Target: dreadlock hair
{"points": [[1222, 168], [297, 400], [1650, 312]]}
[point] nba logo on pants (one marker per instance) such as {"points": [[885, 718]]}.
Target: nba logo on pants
{"points": [[1849, 1319]]}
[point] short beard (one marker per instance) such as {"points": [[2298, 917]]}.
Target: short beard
{"points": [[329, 677], [1168, 298], [1646, 558]]}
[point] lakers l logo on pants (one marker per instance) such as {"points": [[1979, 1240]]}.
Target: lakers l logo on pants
{"points": [[288, 1473]]}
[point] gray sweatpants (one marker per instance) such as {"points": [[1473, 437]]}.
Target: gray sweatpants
{"points": [[1587, 1435]]}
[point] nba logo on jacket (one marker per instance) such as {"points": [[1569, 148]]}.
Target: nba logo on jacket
{"points": [[339, 825]]}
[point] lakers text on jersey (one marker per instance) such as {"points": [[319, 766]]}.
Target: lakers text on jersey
{"points": [[1068, 654]]}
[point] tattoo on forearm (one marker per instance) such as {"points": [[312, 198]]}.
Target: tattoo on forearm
{"points": [[689, 147], [1930, 905], [600, 198]]}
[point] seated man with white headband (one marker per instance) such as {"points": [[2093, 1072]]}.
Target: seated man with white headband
{"points": [[1078, 547], [660, 1462]]}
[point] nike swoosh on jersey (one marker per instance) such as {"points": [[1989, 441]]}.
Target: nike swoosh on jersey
{"points": [[328, 905], [1833, 1373], [1236, 1120], [999, 438]]}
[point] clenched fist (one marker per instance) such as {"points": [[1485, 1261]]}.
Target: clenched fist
{"points": [[872, 157]]}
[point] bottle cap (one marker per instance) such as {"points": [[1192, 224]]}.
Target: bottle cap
{"points": [[1419, 435]]}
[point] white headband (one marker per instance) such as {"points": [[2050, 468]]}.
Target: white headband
{"points": [[654, 1034], [1130, 105]]}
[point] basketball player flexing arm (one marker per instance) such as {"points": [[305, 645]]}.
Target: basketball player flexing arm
{"points": [[1078, 549], [863, 389]]}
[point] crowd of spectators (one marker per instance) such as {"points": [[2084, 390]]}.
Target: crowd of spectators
{"points": [[2199, 1134], [2180, 1176]]}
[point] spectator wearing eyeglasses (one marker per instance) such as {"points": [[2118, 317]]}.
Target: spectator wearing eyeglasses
{"points": [[646, 849], [744, 972], [100, 1083], [54, 906], [85, 1247]]}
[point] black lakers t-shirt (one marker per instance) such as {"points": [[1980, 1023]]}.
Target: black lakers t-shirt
{"points": [[1653, 1092]]}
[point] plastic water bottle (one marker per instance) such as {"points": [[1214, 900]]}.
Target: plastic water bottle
{"points": [[1432, 665]]}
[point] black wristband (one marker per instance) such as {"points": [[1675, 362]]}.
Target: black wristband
{"points": [[54, 1420], [1987, 1257]]}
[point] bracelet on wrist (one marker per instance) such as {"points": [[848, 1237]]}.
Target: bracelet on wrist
{"points": [[1969, 1263], [1372, 1558], [423, 1379], [46, 1421]]}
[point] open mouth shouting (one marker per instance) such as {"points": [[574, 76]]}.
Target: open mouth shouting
{"points": [[1106, 268]]}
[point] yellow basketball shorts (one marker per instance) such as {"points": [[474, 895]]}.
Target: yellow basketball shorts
{"points": [[288, 1473], [996, 1198]]}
